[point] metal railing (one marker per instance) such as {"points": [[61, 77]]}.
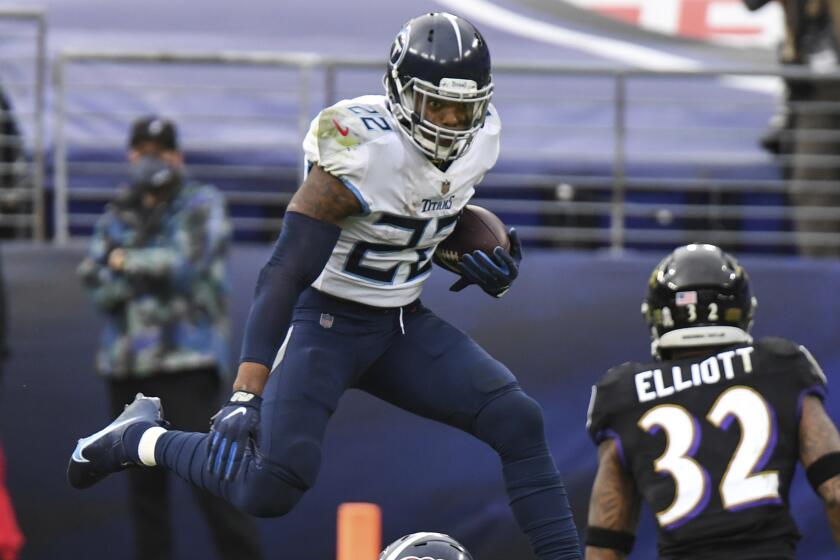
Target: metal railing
{"points": [[23, 67], [294, 122], [591, 157]]}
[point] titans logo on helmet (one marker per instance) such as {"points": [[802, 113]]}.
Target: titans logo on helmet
{"points": [[398, 49]]}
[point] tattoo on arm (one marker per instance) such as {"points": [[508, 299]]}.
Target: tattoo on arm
{"points": [[324, 197], [817, 437], [615, 502]]}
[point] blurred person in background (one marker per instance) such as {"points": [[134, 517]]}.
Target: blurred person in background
{"points": [[11, 538], [708, 434], [809, 125], [156, 269]]}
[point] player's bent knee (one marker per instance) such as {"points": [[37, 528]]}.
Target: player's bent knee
{"points": [[265, 508], [510, 422], [274, 501], [267, 493]]}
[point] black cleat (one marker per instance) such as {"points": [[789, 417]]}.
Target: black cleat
{"points": [[102, 453]]}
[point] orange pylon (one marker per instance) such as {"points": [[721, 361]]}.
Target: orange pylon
{"points": [[359, 532]]}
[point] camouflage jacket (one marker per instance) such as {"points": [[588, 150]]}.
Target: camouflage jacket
{"points": [[166, 311]]}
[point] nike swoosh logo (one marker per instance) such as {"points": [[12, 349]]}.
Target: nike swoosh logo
{"points": [[342, 131], [83, 443], [240, 410]]}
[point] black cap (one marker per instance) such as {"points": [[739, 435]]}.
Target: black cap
{"points": [[153, 129]]}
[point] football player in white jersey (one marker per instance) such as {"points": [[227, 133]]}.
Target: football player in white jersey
{"points": [[337, 304]]}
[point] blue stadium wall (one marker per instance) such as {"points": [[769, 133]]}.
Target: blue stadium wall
{"points": [[569, 317]]}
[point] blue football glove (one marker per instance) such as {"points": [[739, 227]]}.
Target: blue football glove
{"points": [[493, 274], [232, 427]]}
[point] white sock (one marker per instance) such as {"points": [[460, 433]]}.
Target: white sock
{"points": [[146, 449]]}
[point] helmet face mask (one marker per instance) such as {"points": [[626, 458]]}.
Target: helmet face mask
{"points": [[698, 296], [439, 63], [418, 98]]}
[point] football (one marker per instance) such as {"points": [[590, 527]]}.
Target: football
{"points": [[477, 230]]}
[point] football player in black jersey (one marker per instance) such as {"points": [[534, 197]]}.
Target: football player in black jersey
{"points": [[709, 433]]}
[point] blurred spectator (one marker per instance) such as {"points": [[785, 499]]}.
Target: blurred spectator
{"points": [[12, 167], [812, 28], [156, 269], [11, 539], [778, 138]]}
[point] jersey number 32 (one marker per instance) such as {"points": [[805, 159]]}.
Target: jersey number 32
{"points": [[741, 487]]}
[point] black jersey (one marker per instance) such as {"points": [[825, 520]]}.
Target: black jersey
{"points": [[712, 443]]}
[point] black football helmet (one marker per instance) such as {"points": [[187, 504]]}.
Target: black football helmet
{"points": [[425, 546], [435, 58], [698, 296]]}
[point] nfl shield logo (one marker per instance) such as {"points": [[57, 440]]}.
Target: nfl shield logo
{"points": [[326, 320], [444, 187]]}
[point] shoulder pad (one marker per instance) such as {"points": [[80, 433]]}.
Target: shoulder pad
{"points": [[351, 123], [617, 373], [779, 346], [816, 370], [797, 359], [606, 398], [338, 137]]}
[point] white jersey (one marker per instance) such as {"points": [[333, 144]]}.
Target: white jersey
{"points": [[383, 256]]}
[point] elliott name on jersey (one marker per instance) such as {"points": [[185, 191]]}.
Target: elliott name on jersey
{"points": [[383, 256]]}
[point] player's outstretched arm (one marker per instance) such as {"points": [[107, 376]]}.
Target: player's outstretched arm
{"points": [[819, 452], [613, 508]]}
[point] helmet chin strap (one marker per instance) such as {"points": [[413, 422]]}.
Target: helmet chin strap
{"points": [[699, 336]]}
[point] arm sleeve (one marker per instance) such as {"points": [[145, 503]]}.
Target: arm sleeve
{"points": [[299, 256], [811, 375]]}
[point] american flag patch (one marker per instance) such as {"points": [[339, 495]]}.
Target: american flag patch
{"points": [[686, 298]]}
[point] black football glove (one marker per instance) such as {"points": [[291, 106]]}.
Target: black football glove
{"points": [[231, 428], [493, 274]]}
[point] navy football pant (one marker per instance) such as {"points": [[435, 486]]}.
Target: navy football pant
{"points": [[433, 370]]}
